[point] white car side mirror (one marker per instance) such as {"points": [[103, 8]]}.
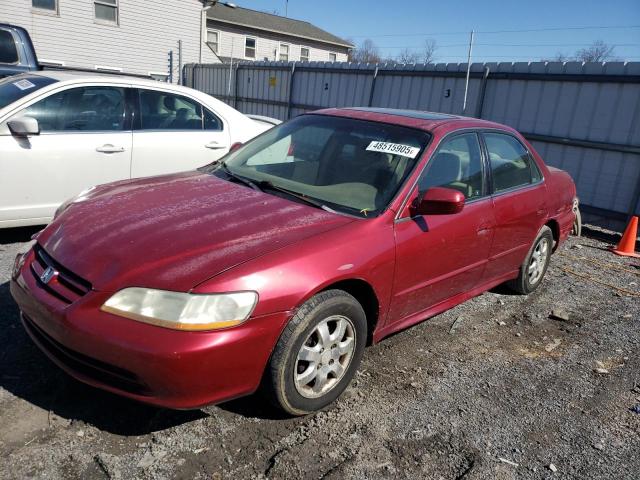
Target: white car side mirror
{"points": [[24, 126]]}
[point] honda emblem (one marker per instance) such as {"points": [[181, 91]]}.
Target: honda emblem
{"points": [[48, 274]]}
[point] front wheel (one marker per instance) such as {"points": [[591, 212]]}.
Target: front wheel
{"points": [[318, 353], [535, 264]]}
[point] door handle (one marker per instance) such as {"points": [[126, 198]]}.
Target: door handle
{"points": [[214, 145], [108, 148], [483, 228]]}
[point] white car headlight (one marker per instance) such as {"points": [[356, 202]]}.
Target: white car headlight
{"points": [[182, 311]]}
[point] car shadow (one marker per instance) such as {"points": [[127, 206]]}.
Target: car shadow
{"points": [[19, 234], [28, 374]]}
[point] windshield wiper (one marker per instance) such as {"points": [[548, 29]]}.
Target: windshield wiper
{"points": [[266, 184], [237, 177]]}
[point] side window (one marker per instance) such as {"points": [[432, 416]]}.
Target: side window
{"points": [[166, 111], [85, 109], [457, 164], [511, 164], [8, 50]]}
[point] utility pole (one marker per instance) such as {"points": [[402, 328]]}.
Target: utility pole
{"points": [[466, 83], [286, 8], [230, 69]]}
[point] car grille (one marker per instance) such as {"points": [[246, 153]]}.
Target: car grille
{"points": [[66, 286], [91, 368]]}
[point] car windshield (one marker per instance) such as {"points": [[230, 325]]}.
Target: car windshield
{"points": [[17, 86], [348, 165]]}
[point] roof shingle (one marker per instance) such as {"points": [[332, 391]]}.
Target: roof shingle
{"points": [[272, 23]]}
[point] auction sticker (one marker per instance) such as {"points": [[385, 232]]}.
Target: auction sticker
{"points": [[24, 84], [393, 148]]}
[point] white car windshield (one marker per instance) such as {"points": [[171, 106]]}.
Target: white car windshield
{"points": [[17, 86], [349, 165]]}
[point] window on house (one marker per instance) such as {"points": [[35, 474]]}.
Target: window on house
{"points": [[304, 54], [332, 57], [284, 52], [250, 47], [213, 40], [106, 10], [50, 5]]}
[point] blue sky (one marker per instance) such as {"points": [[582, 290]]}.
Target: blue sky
{"points": [[393, 25]]}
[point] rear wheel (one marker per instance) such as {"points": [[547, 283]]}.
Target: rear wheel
{"points": [[535, 264], [318, 353]]}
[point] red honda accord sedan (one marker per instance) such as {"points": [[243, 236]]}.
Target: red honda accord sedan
{"points": [[275, 266]]}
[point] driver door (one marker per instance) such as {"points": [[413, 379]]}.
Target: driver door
{"points": [[84, 140], [441, 256]]}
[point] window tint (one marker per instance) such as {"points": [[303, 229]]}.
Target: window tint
{"points": [[165, 111], [8, 51], [511, 165], [457, 164], [83, 109]]}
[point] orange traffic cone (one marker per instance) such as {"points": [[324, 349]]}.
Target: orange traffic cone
{"points": [[627, 244]]}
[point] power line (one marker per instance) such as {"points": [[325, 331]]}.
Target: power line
{"points": [[549, 29], [438, 46]]}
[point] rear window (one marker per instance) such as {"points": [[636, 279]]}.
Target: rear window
{"points": [[17, 86], [8, 50]]}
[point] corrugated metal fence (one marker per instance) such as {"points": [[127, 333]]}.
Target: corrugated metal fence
{"points": [[584, 118]]}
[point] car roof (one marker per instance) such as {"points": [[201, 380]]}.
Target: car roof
{"points": [[81, 76], [422, 120]]}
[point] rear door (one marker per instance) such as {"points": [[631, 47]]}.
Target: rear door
{"points": [[85, 139], [441, 256], [175, 133], [518, 196]]}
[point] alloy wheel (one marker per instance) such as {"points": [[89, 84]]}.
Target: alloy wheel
{"points": [[324, 356]]}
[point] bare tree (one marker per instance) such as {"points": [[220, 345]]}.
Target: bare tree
{"points": [[598, 51], [366, 52], [558, 57], [407, 56], [429, 50]]}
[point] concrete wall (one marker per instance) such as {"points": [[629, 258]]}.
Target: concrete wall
{"points": [[268, 44], [584, 118], [139, 43]]}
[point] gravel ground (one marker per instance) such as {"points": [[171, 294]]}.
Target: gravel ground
{"points": [[511, 391]]}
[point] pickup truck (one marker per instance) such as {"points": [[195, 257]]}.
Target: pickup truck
{"points": [[17, 54]]}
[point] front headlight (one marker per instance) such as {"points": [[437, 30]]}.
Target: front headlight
{"points": [[182, 311]]}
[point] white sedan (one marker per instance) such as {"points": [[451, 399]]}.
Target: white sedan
{"points": [[62, 132]]}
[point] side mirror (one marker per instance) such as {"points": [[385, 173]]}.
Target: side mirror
{"points": [[235, 146], [438, 201], [24, 126]]}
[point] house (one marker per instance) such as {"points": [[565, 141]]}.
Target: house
{"points": [[131, 36], [244, 34]]}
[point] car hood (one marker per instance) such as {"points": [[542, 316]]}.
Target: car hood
{"points": [[173, 232]]}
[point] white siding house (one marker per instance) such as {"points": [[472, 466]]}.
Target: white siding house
{"points": [[246, 34], [133, 36]]}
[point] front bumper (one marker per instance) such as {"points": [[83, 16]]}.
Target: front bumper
{"points": [[155, 365]]}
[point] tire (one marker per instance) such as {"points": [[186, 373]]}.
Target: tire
{"points": [[537, 260], [576, 230], [301, 381]]}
